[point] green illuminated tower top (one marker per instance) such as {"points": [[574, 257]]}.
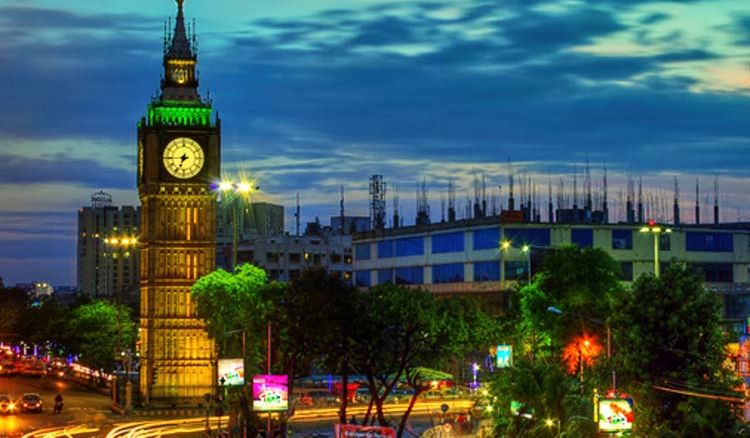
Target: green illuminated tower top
{"points": [[180, 103]]}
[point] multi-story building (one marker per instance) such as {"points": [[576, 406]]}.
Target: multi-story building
{"points": [[258, 219], [467, 257], [284, 257], [107, 252]]}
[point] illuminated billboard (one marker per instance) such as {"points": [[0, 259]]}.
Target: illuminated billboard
{"points": [[232, 371], [270, 393], [504, 356], [615, 414]]}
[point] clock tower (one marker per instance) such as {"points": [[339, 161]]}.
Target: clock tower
{"points": [[178, 160]]}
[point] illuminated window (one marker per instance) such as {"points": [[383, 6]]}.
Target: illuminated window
{"points": [[448, 242], [448, 273], [487, 271], [486, 239]]}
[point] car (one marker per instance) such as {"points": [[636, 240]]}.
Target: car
{"points": [[31, 402], [7, 405]]}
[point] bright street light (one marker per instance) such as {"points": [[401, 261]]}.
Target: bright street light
{"points": [[653, 228]]}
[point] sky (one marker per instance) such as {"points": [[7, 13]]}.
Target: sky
{"points": [[317, 94]]}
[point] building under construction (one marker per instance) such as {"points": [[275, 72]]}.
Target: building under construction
{"points": [[461, 252]]}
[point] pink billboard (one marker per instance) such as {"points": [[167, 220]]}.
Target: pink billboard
{"points": [[270, 393]]}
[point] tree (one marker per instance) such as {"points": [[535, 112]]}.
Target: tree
{"points": [[98, 329], [13, 303], [583, 283], [668, 333], [536, 398]]}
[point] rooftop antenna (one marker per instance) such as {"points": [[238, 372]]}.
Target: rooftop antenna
{"points": [[697, 203], [297, 216], [511, 201], [587, 183], [629, 210], [477, 209], [484, 195], [550, 213], [341, 212], [605, 207], [396, 215], [451, 201], [377, 202], [575, 187], [640, 199], [716, 200], [676, 203]]}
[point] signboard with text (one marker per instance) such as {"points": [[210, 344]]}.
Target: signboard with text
{"points": [[232, 371], [359, 431], [270, 393], [615, 414]]}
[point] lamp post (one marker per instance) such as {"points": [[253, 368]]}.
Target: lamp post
{"points": [[505, 245], [236, 193], [244, 373], [655, 229], [557, 311]]}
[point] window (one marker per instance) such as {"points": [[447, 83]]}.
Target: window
{"points": [[410, 275], [715, 272], [583, 237], [362, 251], [622, 239], [528, 236], [449, 242], [295, 257], [448, 273], [708, 241], [362, 278], [335, 258], [409, 246], [664, 242], [486, 239], [626, 271], [516, 270], [487, 271], [385, 276], [385, 249]]}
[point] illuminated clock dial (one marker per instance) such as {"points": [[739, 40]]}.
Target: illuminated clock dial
{"points": [[183, 157]]}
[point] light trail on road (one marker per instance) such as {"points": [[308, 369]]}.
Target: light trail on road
{"points": [[157, 428], [61, 432]]}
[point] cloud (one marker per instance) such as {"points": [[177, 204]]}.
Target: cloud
{"points": [[62, 169]]}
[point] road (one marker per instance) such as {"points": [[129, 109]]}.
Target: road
{"points": [[87, 414], [83, 407]]}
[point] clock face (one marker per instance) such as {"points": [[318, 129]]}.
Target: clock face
{"points": [[183, 157]]}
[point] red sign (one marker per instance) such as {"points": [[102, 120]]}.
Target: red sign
{"points": [[358, 431]]}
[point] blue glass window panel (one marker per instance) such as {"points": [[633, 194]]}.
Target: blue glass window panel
{"points": [[622, 239], [449, 242], [528, 236], [362, 251], [409, 246], [709, 242], [362, 278], [486, 239], [385, 249], [715, 272], [516, 270], [487, 271], [583, 237], [385, 276], [448, 273], [409, 275]]}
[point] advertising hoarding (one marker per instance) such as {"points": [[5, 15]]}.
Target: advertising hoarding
{"points": [[270, 393], [504, 356], [615, 414], [232, 371]]}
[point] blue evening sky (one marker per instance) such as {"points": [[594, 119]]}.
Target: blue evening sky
{"points": [[314, 94]]}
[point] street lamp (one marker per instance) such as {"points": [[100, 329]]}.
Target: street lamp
{"points": [[550, 422], [557, 311], [505, 245], [653, 228], [233, 191]]}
